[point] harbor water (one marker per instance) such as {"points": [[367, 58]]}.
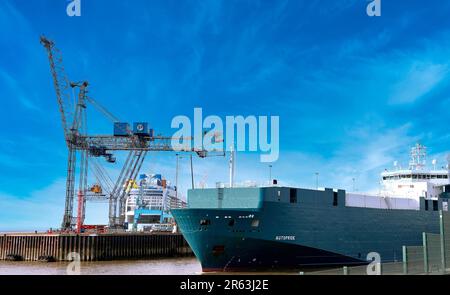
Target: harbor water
{"points": [[162, 266], [166, 266]]}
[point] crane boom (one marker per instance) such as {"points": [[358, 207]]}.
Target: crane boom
{"points": [[60, 81]]}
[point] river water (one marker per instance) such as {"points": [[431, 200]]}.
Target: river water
{"points": [[169, 266], [166, 266]]}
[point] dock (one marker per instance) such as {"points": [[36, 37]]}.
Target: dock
{"points": [[97, 247]]}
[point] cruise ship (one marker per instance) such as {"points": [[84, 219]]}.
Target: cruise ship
{"points": [[276, 227], [150, 202]]}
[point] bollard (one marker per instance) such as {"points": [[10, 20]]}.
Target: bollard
{"points": [[425, 253], [442, 236], [405, 260]]}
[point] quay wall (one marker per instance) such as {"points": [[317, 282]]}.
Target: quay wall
{"points": [[48, 247]]}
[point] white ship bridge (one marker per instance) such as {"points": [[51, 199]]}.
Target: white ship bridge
{"points": [[403, 188]]}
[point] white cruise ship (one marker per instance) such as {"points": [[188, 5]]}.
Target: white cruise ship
{"points": [[149, 204]]}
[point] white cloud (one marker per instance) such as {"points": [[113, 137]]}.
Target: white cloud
{"points": [[40, 210], [364, 154], [43, 209], [17, 89], [419, 80]]}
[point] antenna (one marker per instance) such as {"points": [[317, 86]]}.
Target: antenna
{"points": [[192, 173], [317, 180], [270, 175], [395, 164], [434, 164], [176, 176], [418, 157], [232, 165], [203, 182]]}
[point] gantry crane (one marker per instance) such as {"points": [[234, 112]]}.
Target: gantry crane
{"points": [[88, 147]]}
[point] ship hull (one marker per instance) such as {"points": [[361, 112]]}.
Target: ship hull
{"points": [[293, 236], [219, 249]]}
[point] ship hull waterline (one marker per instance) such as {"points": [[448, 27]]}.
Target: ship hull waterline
{"points": [[288, 238]]}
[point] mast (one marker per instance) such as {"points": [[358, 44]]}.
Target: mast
{"points": [[418, 157], [448, 166], [176, 178], [232, 165]]}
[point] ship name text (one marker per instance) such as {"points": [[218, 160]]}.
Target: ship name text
{"points": [[285, 238]]}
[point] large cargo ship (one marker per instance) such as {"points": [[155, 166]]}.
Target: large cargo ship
{"points": [[275, 227]]}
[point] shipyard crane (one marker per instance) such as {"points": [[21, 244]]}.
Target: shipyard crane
{"points": [[84, 148]]}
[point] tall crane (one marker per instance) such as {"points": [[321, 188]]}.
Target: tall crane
{"points": [[81, 145]]}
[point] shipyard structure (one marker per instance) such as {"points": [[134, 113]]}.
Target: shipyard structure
{"points": [[150, 231], [140, 224]]}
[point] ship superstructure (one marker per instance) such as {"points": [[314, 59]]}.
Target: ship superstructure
{"points": [[276, 227], [403, 188], [416, 181]]}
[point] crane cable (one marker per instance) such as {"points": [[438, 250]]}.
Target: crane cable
{"points": [[102, 109]]}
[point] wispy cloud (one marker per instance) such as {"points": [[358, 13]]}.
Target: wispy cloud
{"points": [[8, 15], [39, 210], [333, 8], [419, 80], [16, 90], [365, 153]]}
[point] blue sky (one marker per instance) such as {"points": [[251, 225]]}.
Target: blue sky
{"points": [[353, 93]]}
